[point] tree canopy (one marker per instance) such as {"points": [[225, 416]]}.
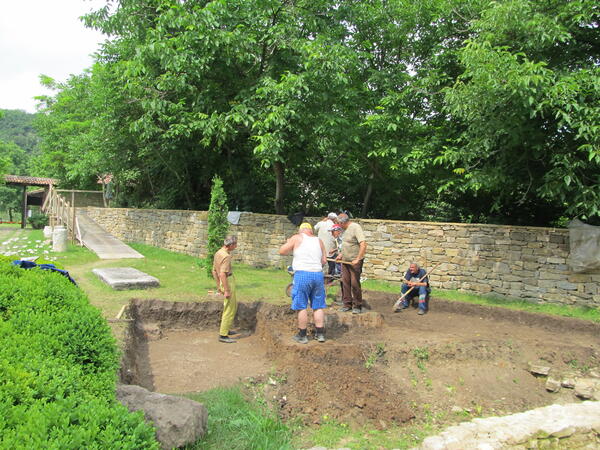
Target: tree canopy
{"points": [[456, 110], [18, 149], [17, 126]]}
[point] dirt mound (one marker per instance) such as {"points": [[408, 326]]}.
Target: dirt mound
{"points": [[331, 379]]}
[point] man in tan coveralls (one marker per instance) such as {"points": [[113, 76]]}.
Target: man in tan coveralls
{"points": [[225, 282]]}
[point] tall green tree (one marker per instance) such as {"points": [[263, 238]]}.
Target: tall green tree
{"points": [[468, 110], [65, 124], [529, 102]]}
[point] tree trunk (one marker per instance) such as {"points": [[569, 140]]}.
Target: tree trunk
{"points": [[365, 208], [24, 208], [279, 177]]}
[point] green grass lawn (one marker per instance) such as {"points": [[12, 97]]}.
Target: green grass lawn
{"points": [[181, 278], [237, 423]]}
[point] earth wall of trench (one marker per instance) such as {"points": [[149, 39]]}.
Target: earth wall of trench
{"points": [[306, 369], [512, 261]]}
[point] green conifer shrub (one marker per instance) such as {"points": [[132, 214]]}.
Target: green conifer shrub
{"points": [[217, 222]]}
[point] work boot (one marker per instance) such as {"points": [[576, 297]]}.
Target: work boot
{"points": [[226, 340], [300, 339], [320, 334]]}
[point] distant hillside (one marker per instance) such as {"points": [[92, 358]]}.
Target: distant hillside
{"points": [[17, 126]]}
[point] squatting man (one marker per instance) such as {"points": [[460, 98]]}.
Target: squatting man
{"points": [[416, 279], [309, 257]]}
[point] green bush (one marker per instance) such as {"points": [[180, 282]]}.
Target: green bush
{"points": [[58, 363], [38, 221]]}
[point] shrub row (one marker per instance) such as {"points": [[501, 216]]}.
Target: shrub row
{"points": [[58, 365]]}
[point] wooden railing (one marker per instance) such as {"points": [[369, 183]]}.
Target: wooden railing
{"points": [[61, 209]]}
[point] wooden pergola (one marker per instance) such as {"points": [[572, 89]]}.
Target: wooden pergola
{"points": [[22, 181]]}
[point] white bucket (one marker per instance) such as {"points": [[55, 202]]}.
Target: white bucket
{"points": [[47, 231], [59, 239]]}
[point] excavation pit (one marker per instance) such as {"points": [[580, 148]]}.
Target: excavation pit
{"points": [[379, 368]]}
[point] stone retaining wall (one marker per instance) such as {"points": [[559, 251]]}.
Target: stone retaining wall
{"points": [[524, 262]]}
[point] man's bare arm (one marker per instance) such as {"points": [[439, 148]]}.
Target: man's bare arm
{"points": [[323, 253], [217, 280], [362, 250], [288, 247]]}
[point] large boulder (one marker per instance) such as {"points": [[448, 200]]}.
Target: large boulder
{"points": [[178, 421]]}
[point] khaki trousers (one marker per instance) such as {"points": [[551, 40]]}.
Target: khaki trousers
{"points": [[229, 309]]}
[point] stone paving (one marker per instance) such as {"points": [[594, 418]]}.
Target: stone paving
{"points": [[122, 278], [104, 244]]}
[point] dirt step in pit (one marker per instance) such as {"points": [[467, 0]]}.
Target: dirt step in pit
{"points": [[382, 368]]}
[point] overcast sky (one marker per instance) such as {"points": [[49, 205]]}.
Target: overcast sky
{"points": [[42, 37]]}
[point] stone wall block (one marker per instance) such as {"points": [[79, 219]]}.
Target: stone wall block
{"points": [[567, 286], [556, 260], [551, 276]]}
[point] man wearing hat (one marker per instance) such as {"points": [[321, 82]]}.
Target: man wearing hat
{"points": [[336, 234], [222, 275], [323, 229], [309, 258]]}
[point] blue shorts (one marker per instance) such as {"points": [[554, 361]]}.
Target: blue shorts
{"points": [[308, 286]]}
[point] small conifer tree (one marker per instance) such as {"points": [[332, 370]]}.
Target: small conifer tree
{"points": [[217, 221]]}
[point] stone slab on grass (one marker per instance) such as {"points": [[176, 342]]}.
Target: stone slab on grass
{"points": [[122, 278]]}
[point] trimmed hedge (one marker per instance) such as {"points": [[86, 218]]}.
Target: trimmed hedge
{"points": [[58, 365]]}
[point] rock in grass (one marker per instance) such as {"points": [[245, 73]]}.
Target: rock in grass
{"points": [[178, 421]]}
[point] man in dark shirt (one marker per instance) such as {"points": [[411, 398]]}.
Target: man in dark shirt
{"points": [[415, 277]]}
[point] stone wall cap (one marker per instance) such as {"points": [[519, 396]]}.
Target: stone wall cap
{"points": [[359, 220]]}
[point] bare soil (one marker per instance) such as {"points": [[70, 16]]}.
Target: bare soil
{"points": [[379, 367]]}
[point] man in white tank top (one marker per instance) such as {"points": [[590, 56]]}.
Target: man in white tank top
{"points": [[309, 258]]}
